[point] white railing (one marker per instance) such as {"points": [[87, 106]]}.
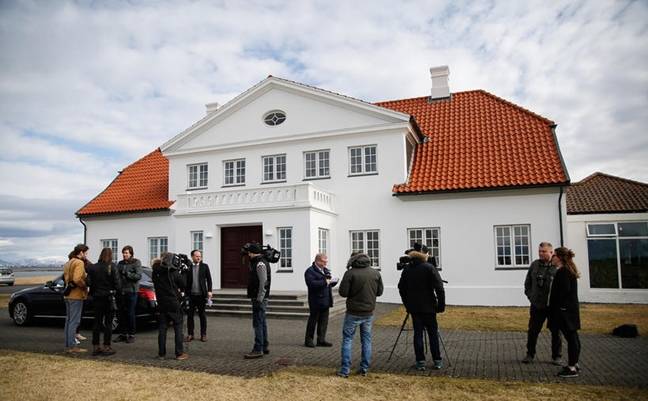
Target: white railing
{"points": [[287, 196]]}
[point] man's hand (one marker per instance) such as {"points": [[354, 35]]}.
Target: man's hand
{"points": [[328, 281], [209, 294]]}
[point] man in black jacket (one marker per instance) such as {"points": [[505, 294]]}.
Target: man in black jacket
{"points": [[421, 290], [168, 283], [258, 290], [199, 286], [320, 299], [130, 273]]}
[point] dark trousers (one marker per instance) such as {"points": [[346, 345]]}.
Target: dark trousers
{"points": [[427, 322], [260, 325], [537, 318], [197, 303], [103, 317], [127, 307], [167, 316], [573, 345], [319, 318]]}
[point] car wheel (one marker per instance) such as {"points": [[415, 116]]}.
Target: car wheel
{"points": [[21, 313]]}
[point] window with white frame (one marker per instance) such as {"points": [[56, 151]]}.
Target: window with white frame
{"points": [[234, 172], [429, 236], [197, 240], [618, 254], [323, 240], [113, 245], [285, 247], [157, 246], [362, 160], [316, 164], [274, 168], [367, 242], [512, 245], [197, 175]]}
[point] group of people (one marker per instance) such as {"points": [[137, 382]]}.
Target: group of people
{"points": [[550, 285]]}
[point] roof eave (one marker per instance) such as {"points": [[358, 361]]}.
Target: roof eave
{"points": [[482, 189]]}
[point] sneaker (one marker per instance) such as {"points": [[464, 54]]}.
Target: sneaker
{"points": [[130, 339], [188, 338], [253, 355], [266, 351], [528, 359], [182, 357], [203, 338], [324, 344], [420, 366], [80, 337], [557, 361], [567, 372], [76, 350], [309, 344], [438, 364], [343, 375], [108, 351], [120, 339], [362, 372], [97, 351], [76, 342]]}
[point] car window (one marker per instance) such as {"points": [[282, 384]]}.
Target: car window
{"points": [[58, 282]]}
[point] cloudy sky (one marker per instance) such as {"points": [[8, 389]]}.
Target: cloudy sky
{"points": [[88, 87]]}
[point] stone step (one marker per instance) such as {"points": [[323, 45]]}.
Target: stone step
{"points": [[269, 314], [271, 308], [271, 301]]}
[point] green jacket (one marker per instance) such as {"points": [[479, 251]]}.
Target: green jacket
{"points": [[360, 286], [130, 273]]}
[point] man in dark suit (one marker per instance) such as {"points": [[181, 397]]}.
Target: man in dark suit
{"points": [[320, 298], [199, 286]]}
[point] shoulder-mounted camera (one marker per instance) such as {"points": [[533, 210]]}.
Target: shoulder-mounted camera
{"points": [[267, 252]]}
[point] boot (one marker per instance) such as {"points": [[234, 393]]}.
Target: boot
{"points": [[97, 350]]}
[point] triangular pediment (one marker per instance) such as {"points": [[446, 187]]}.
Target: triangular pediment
{"points": [[309, 111]]}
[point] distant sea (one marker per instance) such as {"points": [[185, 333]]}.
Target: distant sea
{"points": [[39, 272]]}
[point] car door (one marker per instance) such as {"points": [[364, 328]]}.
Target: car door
{"points": [[47, 300]]}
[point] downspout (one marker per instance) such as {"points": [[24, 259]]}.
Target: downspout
{"points": [[85, 230], [560, 219]]}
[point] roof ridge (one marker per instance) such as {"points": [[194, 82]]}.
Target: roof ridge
{"points": [[538, 116], [424, 97], [614, 177]]}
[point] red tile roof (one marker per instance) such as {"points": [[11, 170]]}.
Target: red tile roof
{"points": [[477, 140], [604, 193], [142, 186]]}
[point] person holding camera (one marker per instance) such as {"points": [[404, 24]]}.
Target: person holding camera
{"points": [[421, 290], [168, 284], [104, 282], [199, 288], [75, 293], [258, 290], [130, 273], [564, 309], [320, 299], [361, 285], [537, 287]]}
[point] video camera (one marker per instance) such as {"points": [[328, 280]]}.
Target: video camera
{"points": [[175, 261], [406, 260], [267, 252]]}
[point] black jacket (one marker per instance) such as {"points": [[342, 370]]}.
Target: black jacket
{"points": [[420, 286], [255, 290], [204, 279], [103, 279], [564, 310], [167, 284], [361, 285], [130, 274], [538, 283], [320, 295]]}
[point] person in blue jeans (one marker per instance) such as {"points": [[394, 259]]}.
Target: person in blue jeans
{"points": [[361, 285], [258, 290]]}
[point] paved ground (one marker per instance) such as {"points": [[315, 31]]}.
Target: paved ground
{"points": [[605, 360]]}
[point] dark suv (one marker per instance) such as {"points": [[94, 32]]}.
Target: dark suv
{"points": [[47, 301]]}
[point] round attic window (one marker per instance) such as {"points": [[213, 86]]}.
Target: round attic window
{"points": [[274, 117]]}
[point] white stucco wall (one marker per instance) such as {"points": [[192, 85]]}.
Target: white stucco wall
{"points": [[577, 241]]}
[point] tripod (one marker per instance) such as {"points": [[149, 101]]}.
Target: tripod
{"points": [[425, 340]]}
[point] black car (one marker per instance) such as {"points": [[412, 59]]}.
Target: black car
{"points": [[47, 301]]}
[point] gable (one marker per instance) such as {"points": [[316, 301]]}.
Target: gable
{"points": [[309, 112], [604, 193]]}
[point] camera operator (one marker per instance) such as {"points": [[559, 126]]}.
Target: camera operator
{"points": [[168, 283], [130, 273], [537, 287], [199, 289], [258, 290], [421, 290]]}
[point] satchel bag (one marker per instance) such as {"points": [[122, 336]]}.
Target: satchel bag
{"points": [[68, 288]]}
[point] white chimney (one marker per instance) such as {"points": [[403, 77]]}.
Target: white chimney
{"points": [[211, 107], [440, 89]]}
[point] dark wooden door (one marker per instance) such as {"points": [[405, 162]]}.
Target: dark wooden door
{"points": [[234, 268]]}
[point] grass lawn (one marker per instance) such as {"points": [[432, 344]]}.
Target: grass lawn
{"points": [[28, 376], [595, 318], [4, 300]]}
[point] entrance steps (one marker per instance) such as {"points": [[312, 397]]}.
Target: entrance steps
{"points": [[281, 304]]}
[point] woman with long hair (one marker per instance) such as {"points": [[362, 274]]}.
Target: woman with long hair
{"points": [[103, 285], [74, 275], [564, 313]]}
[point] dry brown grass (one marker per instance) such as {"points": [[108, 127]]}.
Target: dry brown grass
{"points": [[35, 280], [26, 376], [4, 300], [595, 318]]}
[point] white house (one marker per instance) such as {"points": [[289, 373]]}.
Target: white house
{"points": [[607, 227], [476, 178]]}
